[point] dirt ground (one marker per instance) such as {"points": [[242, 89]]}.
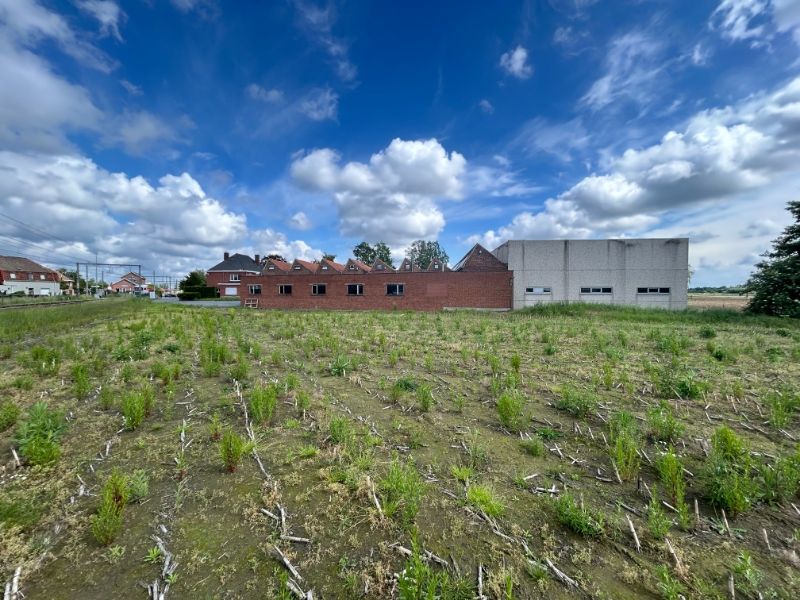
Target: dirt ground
{"points": [[708, 301]]}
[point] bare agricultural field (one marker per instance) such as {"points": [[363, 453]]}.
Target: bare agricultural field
{"points": [[566, 452], [715, 301]]}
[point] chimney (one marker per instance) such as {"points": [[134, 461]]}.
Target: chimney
{"points": [[226, 256], [258, 259]]}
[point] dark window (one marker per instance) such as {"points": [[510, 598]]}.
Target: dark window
{"points": [[539, 290], [318, 289], [254, 288], [395, 289], [285, 290], [586, 290], [641, 290], [596, 290], [355, 289], [653, 290], [663, 290], [606, 291]]}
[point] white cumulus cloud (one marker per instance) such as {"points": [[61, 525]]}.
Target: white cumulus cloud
{"points": [[393, 196]]}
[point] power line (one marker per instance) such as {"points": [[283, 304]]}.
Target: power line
{"points": [[33, 229]]}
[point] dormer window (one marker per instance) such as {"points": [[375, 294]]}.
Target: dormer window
{"points": [[271, 267], [324, 267], [352, 267], [297, 267]]}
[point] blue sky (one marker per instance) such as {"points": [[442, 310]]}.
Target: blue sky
{"points": [[167, 132]]}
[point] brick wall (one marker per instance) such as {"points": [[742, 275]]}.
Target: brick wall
{"points": [[423, 291]]}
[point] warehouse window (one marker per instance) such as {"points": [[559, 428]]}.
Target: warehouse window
{"points": [[355, 289], [285, 290], [395, 289], [318, 289], [653, 290], [254, 288], [596, 290], [538, 290]]}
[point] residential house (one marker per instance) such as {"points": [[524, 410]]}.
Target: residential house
{"points": [[227, 275], [129, 283], [18, 274]]}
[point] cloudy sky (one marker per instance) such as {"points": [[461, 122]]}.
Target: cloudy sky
{"points": [[167, 132]]}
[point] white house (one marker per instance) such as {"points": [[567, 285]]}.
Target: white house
{"points": [[641, 272], [19, 274]]}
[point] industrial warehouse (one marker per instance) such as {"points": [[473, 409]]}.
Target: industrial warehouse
{"points": [[651, 273]]}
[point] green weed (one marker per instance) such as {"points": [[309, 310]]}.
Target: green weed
{"points": [[576, 517]]}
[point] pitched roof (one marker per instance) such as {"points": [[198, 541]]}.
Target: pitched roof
{"points": [[279, 264], [380, 265], [478, 251], [338, 267], [309, 266], [236, 262], [18, 263], [404, 266], [354, 262]]}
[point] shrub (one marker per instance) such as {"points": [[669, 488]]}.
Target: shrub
{"points": [[534, 447], [23, 382], [106, 397], [418, 580], [657, 521], [670, 470], [38, 436], [138, 485], [341, 430], [782, 405], [578, 403], [115, 489], [133, 410], [670, 587], [232, 447], [462, 473], [215, 428], [107, 522], [263, 400], [729, 484], [483, 498], [80, 381], [424, 397], [9, 412], [780, 481], [577, 517], [707, 332], [673, 380], [402, 489], [662, 424], [45, 361], [721, 353], [624, 436], [510, 407], [340, 366]]}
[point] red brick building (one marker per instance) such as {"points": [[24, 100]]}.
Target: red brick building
{"points": [[479, 280], [227, 276]]}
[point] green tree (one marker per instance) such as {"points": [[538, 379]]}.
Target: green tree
{"points": [[383, 253], [776, 283], [422, 253], [194, 278], [365, 253], [326, 256], [276, 257], [369, 254]]}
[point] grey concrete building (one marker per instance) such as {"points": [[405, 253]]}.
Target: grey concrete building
{"points": [[642, 272]]}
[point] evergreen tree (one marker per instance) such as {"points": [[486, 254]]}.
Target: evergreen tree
{"points": [[776, 283], [195, 278]]}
